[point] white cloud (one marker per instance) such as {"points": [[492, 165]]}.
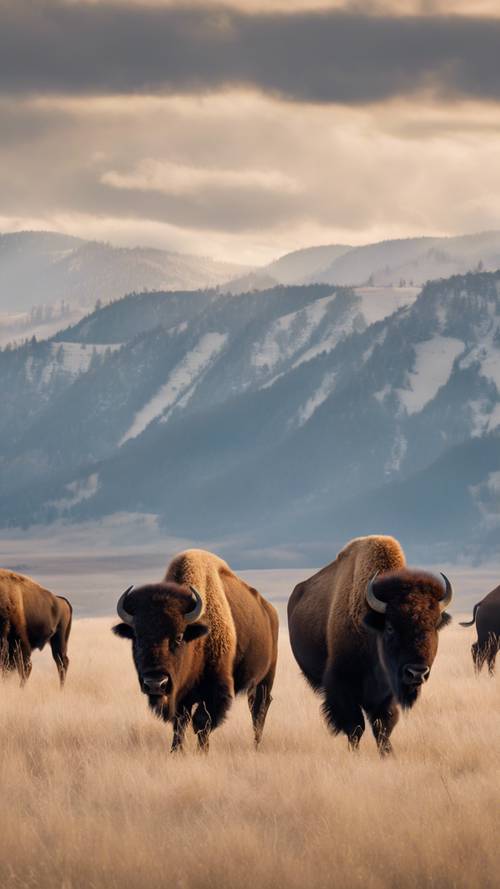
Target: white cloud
{"points": [[245, 177], [173, 178]]}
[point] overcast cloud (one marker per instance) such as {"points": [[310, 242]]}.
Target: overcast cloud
{"points": [[244, 133], [322, 56]]}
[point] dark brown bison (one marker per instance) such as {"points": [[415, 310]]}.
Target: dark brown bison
{"points": [[486, 616], [31, 616], [200, 636], [364, 631]]}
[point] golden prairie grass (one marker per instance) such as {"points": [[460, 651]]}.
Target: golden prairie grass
{"points": [[91, 798]]}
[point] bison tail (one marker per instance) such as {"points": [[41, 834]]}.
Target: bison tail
{"points": [[469, 623]]}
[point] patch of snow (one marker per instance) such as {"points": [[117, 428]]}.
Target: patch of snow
{"points": [[487, 498], [494, 418], [312, 404], [487, 355], [379, 339], [78, 491], [382, 393], [434, 361], [272, 381], [28, 369], [72, 359], [494, 482], [484, 416], [379, 302], [398, 451], [290, 333], [441, 315], [328, 343], [180, 384]]}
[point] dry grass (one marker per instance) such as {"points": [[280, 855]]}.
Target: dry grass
{"points": [[90, 796]]}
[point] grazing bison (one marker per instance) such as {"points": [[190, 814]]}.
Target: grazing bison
{"points": [[486, 616], [31, 616], [364, 633], [200, 636]]}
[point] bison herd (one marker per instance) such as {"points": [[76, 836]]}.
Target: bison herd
{"points": [[364, 631]]}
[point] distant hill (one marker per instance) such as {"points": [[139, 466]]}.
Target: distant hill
{"points": [[409, 261], [415, 260], [306, 265], [278, 421], [45, 268]]}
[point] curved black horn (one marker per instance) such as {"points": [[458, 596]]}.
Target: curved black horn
{"points": [[122, 611], [448, 593], [198, 607], [374, 603]]}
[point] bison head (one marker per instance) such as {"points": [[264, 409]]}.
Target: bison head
{"points": [[161, 620], [406, 609]]}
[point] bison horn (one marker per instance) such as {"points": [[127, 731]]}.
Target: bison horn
{"points": [[191, 616], [448, 593], [374, 603], [122, 612]]}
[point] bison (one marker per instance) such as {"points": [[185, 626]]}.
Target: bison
{"points": [[199, 637], [31, 616], [364, 631], [486, 616]]}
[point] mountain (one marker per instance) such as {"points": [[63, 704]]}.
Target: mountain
{"points": [[46, 277], [278, 421], [306, 265], [406, 262], [414, 260]]}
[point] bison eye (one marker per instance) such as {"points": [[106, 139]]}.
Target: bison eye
{"points": [[389, 629], [179, 639]]}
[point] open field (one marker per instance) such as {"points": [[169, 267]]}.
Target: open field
{"points": [[91, 798]]}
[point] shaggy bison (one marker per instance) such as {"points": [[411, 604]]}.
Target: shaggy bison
{"points": [[364, 631], [31, 616], [486, 616], [198, 637]]}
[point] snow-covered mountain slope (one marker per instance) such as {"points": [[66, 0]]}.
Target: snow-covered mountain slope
{"points": [[263, 415], [41, 269]]}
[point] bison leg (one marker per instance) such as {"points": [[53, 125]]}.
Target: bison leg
{"points": [[383, 719], [259, 700], [479, 655], [212, 710], [5, 661], [181, 723], [58, 644], [341, 710], [20, 656], [492, 653]]}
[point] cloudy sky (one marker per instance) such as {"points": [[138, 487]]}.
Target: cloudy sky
{"points": [[251, 128]]}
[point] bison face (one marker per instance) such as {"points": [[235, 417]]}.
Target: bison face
{"points": [[162, 620], [406, 610]]}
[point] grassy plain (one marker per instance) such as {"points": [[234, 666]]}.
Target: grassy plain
{"points": [[91, 799]]}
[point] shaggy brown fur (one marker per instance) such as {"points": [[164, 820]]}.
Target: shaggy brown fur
{"points": [[200, 666], [486, 616], [359, 659], [206, 572], [31, 616]]}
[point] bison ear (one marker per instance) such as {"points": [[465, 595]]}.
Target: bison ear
{"points": [[374, 621], [125, 631], [195, 631], [445, 620]]}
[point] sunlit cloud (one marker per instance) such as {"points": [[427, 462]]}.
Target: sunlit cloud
{"points": [[249, 129]]}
